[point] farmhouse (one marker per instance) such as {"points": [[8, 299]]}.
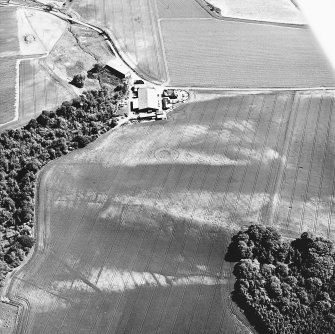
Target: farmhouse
{"points": [[118, 68]]}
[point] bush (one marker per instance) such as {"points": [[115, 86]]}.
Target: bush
{"points": [[78, 80], [26, 241]]}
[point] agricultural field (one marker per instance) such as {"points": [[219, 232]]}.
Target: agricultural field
{"points": [[134, 228], [8, 74], [180, 9], [134, 27], [242, 55], [280, 11], [8, 318], [9, 44], [305, 187], [39, 90]]}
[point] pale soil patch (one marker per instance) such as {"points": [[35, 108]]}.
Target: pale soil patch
{"points": [[48, 28], [30, 44], [281, 11]]}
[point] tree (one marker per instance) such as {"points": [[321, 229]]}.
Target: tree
{"points": [[78, 80]]}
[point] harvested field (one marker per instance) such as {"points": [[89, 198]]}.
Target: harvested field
{"points": [[281, 11], [136, 224], [232, 54], [39, 90], [180, 9], [9, 43], [8, 75], [305, 189], [134, 27]]}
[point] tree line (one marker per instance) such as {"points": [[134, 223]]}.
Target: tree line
{"points": [[284, 287], [24, 151]]}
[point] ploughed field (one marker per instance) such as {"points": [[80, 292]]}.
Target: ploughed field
{"points": [[217, 53], [133, 229]]}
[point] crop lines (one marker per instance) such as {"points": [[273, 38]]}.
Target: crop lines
{"points": [[307, 187], [232, 54], [8, 74], [9, 42], [138, 235], [38, 90], [135, 246]]}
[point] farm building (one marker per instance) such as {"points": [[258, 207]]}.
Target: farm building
{"points": [[118, 68], [148, 99]]}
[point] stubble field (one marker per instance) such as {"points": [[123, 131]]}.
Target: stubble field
{"points": [[137, 224]]}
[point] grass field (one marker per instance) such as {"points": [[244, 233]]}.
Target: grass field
{"points": [[235, 54], [135, 29], [8, 74], [137, 223], [9, 43]]}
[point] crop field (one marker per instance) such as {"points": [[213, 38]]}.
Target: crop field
{"points": [[305, 188], [180, 9], [8, 73], [39, 90], [135, 29], [232, 54], [9, 43], [134, 228]]}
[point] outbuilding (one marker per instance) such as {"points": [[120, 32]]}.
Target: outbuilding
{"points": [[118, 68]]}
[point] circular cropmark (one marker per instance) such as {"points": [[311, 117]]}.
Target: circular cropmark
{"points": [[166, 154]]}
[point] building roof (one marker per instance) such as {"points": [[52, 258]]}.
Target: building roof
{"points": [[148, 98], [118, 65]]}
